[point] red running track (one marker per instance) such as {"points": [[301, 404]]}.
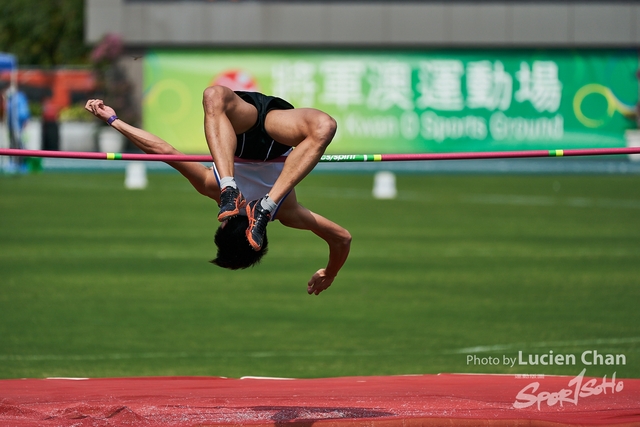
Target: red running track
{"points": [[393, 401]]}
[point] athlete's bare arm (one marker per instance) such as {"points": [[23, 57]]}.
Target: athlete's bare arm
{"points": [[292, 214], [198, 175]]}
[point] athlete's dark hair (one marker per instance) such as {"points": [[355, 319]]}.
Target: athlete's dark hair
{"points": [[234, 250]]}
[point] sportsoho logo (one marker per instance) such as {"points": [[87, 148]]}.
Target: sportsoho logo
{"points": [[577, 389]]}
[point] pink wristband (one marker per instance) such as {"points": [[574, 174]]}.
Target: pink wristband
{"points": [[112, 119]]}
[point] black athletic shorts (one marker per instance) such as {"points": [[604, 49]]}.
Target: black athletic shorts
{"points": [[256, 144]]}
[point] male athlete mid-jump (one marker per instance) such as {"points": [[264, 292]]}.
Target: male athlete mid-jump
{"points": [[260, 128]]}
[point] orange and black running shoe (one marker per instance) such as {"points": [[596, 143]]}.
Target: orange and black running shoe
{"points": [[258, 220], [231, 201]]}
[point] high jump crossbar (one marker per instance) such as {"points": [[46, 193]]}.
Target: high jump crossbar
{"points": [[331, 158]]}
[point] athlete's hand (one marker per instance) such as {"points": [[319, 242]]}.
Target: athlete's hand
{"points": [[319, 282], [98, 109]]}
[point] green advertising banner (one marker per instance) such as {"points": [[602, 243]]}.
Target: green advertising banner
{"points": [[411, 101]]}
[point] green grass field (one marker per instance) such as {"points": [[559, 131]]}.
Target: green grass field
{"points": [[99, 281]]}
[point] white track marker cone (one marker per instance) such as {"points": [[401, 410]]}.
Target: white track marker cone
{"points": [[136, 176], [384, 185]]}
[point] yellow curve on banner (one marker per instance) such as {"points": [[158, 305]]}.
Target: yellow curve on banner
{"points": [[613, 104]]}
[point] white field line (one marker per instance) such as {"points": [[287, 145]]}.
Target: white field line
{"points": [[483, 199], [547, 344], [576, 202], [319, 353]]}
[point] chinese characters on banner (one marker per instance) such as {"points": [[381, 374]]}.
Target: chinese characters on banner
{"points": [[422, 106], [407, 102]]}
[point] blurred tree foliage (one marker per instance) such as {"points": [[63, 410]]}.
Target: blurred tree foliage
{"points": [[43, 33]]}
